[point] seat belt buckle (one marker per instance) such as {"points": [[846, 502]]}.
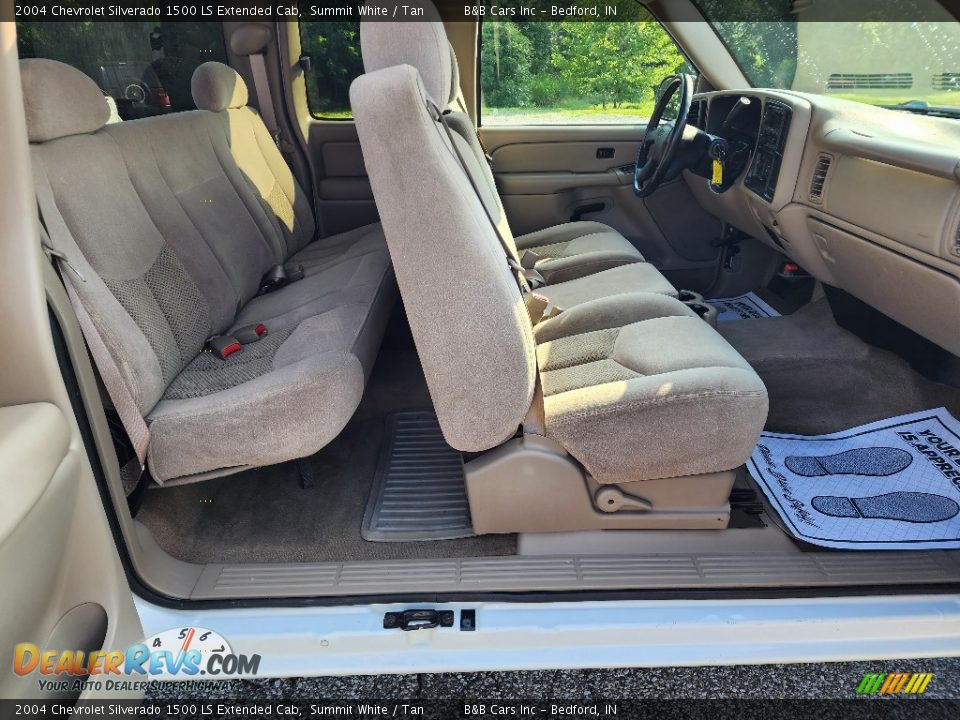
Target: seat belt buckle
{"points": [[529, 259], [280, 276], [223, 346], [534, 278], [294, 272], [540, 308], [56, 256], [249, 333], [536, 306], [274, 279]]}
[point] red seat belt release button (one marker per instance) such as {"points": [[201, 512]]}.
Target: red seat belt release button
{"points": [[249, 333], [223, 346]]}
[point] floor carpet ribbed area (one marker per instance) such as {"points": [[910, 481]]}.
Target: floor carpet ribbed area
{"points": [[418, 492]]}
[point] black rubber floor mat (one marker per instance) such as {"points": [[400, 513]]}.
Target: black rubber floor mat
{"points": [[418, 492]]}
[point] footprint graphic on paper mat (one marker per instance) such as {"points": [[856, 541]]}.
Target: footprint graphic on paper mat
{"points": [[913, 507], [875, 462]]}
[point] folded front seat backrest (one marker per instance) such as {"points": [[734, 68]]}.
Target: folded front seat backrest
{"points": [[468, 318], [151, 301], [222, 95], [424, 46]]}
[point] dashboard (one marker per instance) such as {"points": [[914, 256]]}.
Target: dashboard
{"points": [[865, 199]]}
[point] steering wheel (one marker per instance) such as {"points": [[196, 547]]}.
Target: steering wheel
{"points": [[660, 142]]}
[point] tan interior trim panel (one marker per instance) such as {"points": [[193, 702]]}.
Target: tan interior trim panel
{"points": [[912, 293], [907, 153]]}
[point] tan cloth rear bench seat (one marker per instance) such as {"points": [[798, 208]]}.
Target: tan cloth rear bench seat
{"points": [[172, 239]]}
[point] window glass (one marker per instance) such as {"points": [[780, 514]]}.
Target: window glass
{"points": [[144, 67], [538, 73], [892, 55], [334, 49]]}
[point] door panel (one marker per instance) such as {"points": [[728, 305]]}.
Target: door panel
{"points": [[67, 595], [597, 155], [549, 175], [63, 586], [344, 198]]}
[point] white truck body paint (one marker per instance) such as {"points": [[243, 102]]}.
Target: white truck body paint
{"points": [[351, 640]]}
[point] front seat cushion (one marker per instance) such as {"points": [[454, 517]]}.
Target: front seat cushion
{"points": [[635, 277], [638, 387], [576, 249]]}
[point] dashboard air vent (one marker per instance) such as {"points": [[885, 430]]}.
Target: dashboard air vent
{"points": [[698, 114], [820, 178]]}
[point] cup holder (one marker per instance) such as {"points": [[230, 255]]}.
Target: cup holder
{"points": [[705, 310], [701, 307], [690, 297]]}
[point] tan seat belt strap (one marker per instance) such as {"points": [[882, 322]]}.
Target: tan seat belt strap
{"points": [[463, 107], [525, 278], [535, 422], [59, 245], [258, 65], [268, 113]]}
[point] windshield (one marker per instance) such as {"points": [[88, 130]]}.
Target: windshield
{"points": [[903, 54]]}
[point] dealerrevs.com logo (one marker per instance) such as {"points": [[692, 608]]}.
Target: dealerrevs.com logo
{"points": [[179, 652]]}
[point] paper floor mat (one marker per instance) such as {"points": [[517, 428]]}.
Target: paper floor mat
{"points": [[742, 307], [887, 485]]}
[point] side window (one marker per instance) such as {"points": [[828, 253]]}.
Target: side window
{"points": [[334, 50], [574, 73], [143, 67]]}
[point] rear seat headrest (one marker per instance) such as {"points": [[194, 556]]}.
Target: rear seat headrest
{"points": [[59, 100], [423, 45], [216, 87]]}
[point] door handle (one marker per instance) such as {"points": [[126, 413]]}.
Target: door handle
{"points": [[418, 619], [579, 212]]}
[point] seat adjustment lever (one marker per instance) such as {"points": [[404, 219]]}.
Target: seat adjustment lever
{"points": [[611, 499]]}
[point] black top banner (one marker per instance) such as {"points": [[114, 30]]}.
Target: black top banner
{"points": [[465, 11]]}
